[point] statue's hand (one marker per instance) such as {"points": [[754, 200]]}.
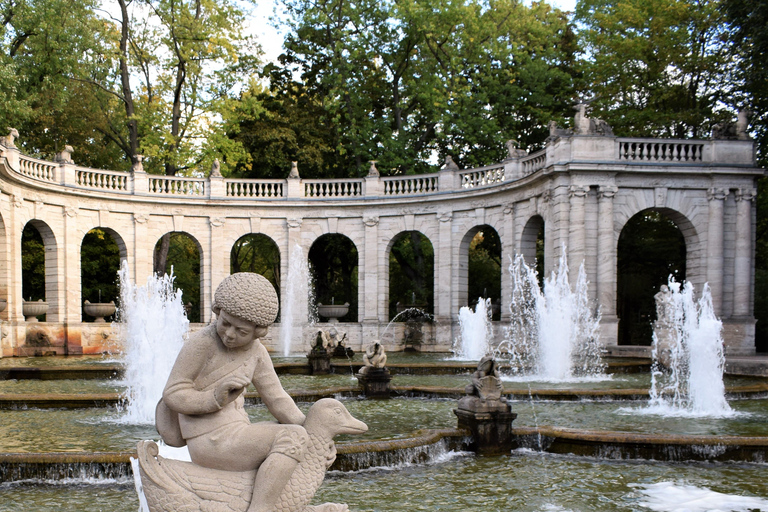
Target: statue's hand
{"points": [[230, 388]]}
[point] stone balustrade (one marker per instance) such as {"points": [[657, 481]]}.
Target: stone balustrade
{"points": [[573, 149]]}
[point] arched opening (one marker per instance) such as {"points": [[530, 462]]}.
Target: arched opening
{"points": [[256, 253], [411, 273], [532, 245], [481, 247], [38, 267], [333, 260], [100, 255], [184, 257], [651, 248]]}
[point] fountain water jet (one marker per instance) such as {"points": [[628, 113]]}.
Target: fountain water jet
{"points": [[687, 375], [296, 291], [554, 334], [476, 330], [153, 325]]}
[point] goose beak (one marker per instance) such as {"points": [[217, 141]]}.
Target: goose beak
{"points": [[352, 426]]}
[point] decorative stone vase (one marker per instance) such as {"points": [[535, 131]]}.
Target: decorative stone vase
{"points": [[332, 312], [3, 304], [99, 310], [31, 310]]}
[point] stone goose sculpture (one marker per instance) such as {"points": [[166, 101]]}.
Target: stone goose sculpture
{"points": [[177, 486]]}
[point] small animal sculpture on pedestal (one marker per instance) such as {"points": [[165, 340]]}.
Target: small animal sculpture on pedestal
{"points": [[237, 465]]}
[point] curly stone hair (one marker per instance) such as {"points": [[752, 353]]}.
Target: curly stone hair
{"points": [[248, 296]]}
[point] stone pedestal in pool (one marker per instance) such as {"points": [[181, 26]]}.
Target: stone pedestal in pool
{"points": [[319, 357], [375, 382], [485, 413]]}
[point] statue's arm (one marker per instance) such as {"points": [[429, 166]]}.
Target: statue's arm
{"points": [[180, 393], [277, 400]]}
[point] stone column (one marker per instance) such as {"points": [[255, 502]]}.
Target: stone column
{"points": [[606, 251], [374, 310], [216, 266], [716, 198], [507, 254], [577, 231], [742, 266], [293, 226], [70, 309], [143, 250], [445, 294]]}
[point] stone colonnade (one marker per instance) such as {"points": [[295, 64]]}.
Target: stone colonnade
{"points": [[583, 189]]}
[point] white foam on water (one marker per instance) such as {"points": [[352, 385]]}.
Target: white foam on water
{"points": [[672, 497]]}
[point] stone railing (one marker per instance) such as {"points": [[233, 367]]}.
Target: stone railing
{"points": [[482, 176], [40, 170], [565, 150], [674, 151], [177, 185], [333, 188], [534, 162], [410, 185], [100, 179], [256, 189]]}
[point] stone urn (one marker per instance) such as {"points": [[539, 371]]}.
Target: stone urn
{"points": [[3, 304], [31, 310], [99, 310], [332, 311]]}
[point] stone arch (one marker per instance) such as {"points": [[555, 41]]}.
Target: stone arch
{"points": [[466, 274], [533, 243], [652, 244], [51, 264], [99, 282], [259, 253], [185, 267], [425, 299], [341, 283]]}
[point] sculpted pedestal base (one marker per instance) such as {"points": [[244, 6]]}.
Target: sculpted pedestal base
{"points": [[490, 422], [375, 382]]}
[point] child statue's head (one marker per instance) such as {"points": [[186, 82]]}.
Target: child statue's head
{"points": [[246, 305]]}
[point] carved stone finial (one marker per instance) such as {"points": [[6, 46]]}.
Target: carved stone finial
{"points": [[294, 174], [373, 172], [138, 165], [449, 164], [513, 151], [216, 169], [584, 125], [742, 124], [9, 140], [65, 155]]}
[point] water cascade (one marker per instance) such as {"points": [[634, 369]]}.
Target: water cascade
{"points": [[153, 325], [554, 334], [297, 290], [687, 375], [476, 331]]}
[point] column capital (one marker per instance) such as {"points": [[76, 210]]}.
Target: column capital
{"points": [[578, 190], [371, 221], [745, 194], [607, 191], [445, 216], [294, 222], [716, 193], [217, 222]]}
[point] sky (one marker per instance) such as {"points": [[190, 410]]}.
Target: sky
{"points": [[272, 41]]}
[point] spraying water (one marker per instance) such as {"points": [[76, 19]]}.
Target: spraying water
{"points": [[687, 375], [296, 292], [554, 334], [476, 331], [153, 326]]}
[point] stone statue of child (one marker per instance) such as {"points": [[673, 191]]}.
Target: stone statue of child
{"points": [[374, 357], [205, 392], [486, 382]]}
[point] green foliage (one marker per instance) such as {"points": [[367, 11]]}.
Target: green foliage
{"points": [[485, 266], [99, 264], [401, 81], [32, 264], [411, 272], [657, 67], [333, 259], [184, 262], [259, 254], [651, 248]]}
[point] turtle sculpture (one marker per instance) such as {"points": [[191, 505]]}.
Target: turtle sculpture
{"points": [[178, 486]]}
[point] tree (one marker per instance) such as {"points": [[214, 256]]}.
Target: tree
{"points": [[411, 272], [657, 67], [401, 81]]}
